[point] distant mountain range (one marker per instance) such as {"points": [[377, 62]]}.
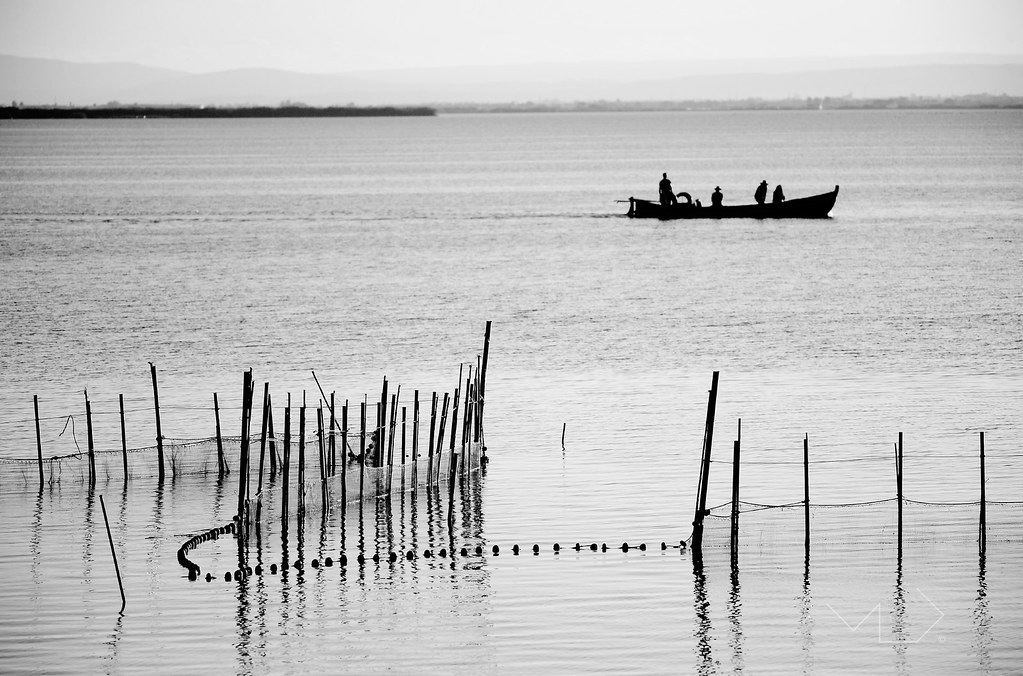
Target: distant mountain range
{"points": [[30, 81]]}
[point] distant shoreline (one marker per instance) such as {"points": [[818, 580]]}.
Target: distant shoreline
{"points": [[195, 112]]}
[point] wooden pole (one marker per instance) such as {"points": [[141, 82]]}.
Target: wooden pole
{"points": [[415, 438], [243, 460], [452, 478], [159, 430], [221, 464], [124, 440], [286, 461], [301, 457], [113, 553], [333, 441], [403, 456], [708, 438], [362, 451], [734, 539], [92, 448], [983, 501], [806, 494], [344, 453], [262, 438], [378, 449], [898, 486], [39, 441], [433, 429], [564, 426], [483, 374], [272, 437], [440, 435]]}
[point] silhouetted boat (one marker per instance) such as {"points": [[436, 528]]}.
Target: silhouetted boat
{"points": [[815, 206]]}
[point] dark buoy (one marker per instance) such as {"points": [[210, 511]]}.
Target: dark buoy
{"points": [[209, 577], [315, 563], [227, 577], [577, 547], [328, 562], [603, 547], [642, 547], [360, 559], [497, 550], [625, 546], [463, 551], [273, 568], [593, 547], [410, 555], [664, 545], [376, 558], [443, 553], [342, 560], [479, 550], [237, 575], [259, 570], [536, 549], [515, 550], [297, 565], [392, 557], [426, 553], [557, 548]]}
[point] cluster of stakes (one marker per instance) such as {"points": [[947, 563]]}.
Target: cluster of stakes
{"points": [[442, 553]]}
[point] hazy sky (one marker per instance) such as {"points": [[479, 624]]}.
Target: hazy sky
{"points": [[344, 35]]}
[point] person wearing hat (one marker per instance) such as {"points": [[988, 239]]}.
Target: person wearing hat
{"points": [[761, 194], [716, 197]]}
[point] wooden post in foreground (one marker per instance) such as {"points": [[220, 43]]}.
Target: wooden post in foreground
{"points": [[734, 538], [112, 552], [708, 438]]}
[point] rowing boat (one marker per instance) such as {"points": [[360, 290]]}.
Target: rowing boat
{"points": [[815, 206]]}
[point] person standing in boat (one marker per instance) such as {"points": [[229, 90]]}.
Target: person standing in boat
{"points": [[779, 195], [716, 197], [666, 193], [761, 194]]}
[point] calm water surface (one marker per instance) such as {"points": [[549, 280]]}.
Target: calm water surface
{"points": [[365, 248]]}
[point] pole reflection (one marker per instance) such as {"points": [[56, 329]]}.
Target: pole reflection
{"points": [[701, 606], [982, 640]]}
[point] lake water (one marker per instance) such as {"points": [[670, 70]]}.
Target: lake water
{"points": [[365, 248]]}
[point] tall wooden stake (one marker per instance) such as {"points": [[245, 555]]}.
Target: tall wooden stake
{"points": [[483, 374], [806, 494], [39, 441], [734, 539], [92, 447], [983, 501], [708, 438], [898, 487], [159, 430], [124, 441]]}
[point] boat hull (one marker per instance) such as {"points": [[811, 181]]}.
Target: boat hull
{"points": [[816, 206]]}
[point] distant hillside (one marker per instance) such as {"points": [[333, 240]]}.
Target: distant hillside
{"points": [[35, 82]]}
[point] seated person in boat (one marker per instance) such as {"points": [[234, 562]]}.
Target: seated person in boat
{"points": [[761, 194], [716, 197], [666, 194], [779, 195]]}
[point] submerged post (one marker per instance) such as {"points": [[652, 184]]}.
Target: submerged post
{"points": [[243, 460], [708, 438], [982, 540], [39, 441], [113, 553], [286, 462], [159, 431]]}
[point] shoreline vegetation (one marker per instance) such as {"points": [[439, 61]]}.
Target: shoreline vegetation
{"points": [[118, 111], [978, 102], [115, 110]]}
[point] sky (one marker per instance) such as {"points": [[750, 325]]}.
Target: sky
{"points": [[336, 36]]}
